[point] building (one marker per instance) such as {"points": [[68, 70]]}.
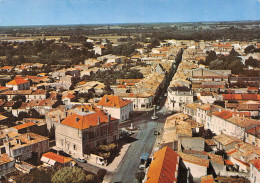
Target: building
{"points": [[231, 124], [179, 96], [117, 107], [197, 167], [141, 101], [53, 159], [164, 166], [27, 146], [6, 164], [255, 171], [18, 84], [80, 132], [225, 142], [253, 136], [206, 75]]}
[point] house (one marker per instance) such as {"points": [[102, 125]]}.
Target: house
{"points": [[117, 107], [178, 96], [141, 101], [7, 68], [18, 84], [39, 128], [67, 99], [37, 95], [206, 75], [6, 164], [196, 166], [53, 159], [255, 170], [99, 49], [164, 166], [225, 142], [252, 136], [217, 163], [231, 124], [27, 146], [80, 132], [10, 94]]}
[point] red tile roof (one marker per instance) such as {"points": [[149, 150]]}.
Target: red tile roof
{"points": [[207, 179], [223, 114], [163, 166], [228, 162], [113, 101], [86, 121], [59, 158], [241, 96], [69, 96], [17, 82], [7, 67], [25, 125], [256, 163]]}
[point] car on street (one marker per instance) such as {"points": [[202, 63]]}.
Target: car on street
{"points": [[154, 117], [156, 132], [82, 160]]}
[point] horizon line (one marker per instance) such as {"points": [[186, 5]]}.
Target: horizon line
{"points": [[93, 24]]}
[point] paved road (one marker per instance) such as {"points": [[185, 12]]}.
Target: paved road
{"points": [[144, 143]]}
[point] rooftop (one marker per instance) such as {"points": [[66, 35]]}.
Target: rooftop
{"points": [[163, 166], [84, 121], [59, 158], [113, 101], [17, 82], [226, 139], [194, 159]]}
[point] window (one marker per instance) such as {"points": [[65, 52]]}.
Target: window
{"points": [[74, 147], [62, 142]]}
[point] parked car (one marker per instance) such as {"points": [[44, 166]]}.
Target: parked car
{"points": [[156, 132], [82, 160]]}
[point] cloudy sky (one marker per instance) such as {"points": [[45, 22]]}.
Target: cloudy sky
{"points": [[52, 12]]}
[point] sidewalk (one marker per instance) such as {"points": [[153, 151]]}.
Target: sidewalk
{"points": [[112, 167]]}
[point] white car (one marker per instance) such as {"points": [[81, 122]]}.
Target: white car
{"points": [[154, 117]]}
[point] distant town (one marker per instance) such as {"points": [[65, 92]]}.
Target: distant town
{"points": [[152, 103]]}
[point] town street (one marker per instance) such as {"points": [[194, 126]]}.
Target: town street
{"points": [[144, 144]]}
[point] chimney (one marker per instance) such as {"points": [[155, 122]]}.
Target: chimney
{"points": [[77, 119], [20, 141], [29, 137], [108, 117], [7, 137], [106, 99], [58, 152], [98, 120], [58, 118]]}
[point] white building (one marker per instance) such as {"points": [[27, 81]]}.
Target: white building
{"points": [[140, 100], [179, 96], [255, 171], [18, 84], [117, 107]]}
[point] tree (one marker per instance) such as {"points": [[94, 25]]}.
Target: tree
{"points": [[252, 62], [249, 49], [71, 175], [101, 174], [37, 176]]}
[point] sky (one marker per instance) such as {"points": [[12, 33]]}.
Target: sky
{"points": [[63, 12]]}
